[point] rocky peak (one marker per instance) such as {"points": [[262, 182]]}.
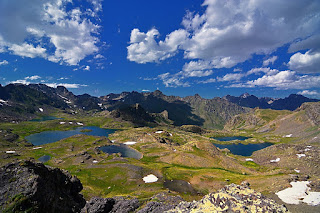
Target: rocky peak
{"points": [[62, 89], [245, 95], [29, 186], [157, 93], [197, 96]]}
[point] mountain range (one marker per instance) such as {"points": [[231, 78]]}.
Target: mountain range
{"points": [[291, 102], [24, 102]]}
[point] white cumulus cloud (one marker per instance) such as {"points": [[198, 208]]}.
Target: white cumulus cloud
{"points": [[197, 65], [231, 77], [210, 80], [282, 80], [34, 77], [23, 81], [308, 62], [231, 32], [51, 29], [309, 92], [144, 47], [66, 85], [28, 50], [265, 70], [4, 62], [173, 80], [270, 60]]}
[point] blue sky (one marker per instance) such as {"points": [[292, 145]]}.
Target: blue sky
{"points": [[213, 48]]}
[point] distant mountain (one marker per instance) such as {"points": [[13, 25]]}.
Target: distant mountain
{"points": [[135, 114], [289, 103], [61, 93], [22, 102], [191, 110]]}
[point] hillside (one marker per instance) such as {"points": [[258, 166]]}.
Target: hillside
{"points": [[24, 102], [53, 190], [184, 159], [191, 110], [20, 102]]}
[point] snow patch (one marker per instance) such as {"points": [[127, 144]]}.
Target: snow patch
{"points": [[288, 136], [10, 152], [3, 102], [150, 178], [81, 124], [129, 142], [40, 109], [112, 141], [313, 198], [66, 100], [249, 159], [39, 147], [274, 161], [62, 122], [299, 192], [158, 132], [301, 155], [297, 171], [94, 161]]}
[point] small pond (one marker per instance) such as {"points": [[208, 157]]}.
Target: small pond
{"points": [[179, 186], [232, 138], [45, 118], [123, 149], [54, 136], [243, 149], [44, 158]]}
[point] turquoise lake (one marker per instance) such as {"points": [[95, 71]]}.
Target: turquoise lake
{"points": [[54, 136], [243, 149], [44, 158], [123, 149]]}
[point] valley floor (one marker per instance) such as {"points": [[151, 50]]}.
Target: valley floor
{"points": [[172, 154]]}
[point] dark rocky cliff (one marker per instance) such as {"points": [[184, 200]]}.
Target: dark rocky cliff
{"points": [[33, 187]]}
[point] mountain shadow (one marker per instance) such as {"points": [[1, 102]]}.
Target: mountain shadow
{"points": [[180, 112]]}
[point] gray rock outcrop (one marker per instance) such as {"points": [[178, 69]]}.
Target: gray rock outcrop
{"points": [[27, 186]]}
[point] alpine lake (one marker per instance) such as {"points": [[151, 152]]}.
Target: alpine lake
{"points": [[240, 148]]}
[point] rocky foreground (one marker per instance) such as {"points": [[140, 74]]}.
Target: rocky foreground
{"points": [[231, 198], [27, 186], [33, 187]]}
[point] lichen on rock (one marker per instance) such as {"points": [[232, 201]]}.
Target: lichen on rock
{"points": [[231, 198]]}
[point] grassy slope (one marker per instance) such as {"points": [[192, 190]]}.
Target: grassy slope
{"points": [[191, 157]]}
